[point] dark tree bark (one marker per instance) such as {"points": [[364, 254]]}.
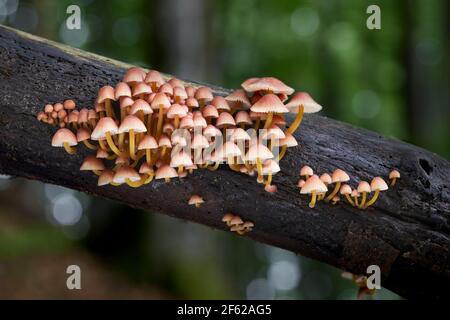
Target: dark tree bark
{"points": [[406, 233]]}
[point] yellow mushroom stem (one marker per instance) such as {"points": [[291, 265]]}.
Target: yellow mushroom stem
{"points": [[102, 144], [167, 180], [363, 200], [297, 121], [282, 153], [372, 201], [269, 179], [135, 184], [349, 199], [149, 178], [232, 165], [242, 125], [215, 166], [109, 109], [260, 178], [268, 120], [97, 172], [335, 191], [257, 123], [313, 199], [160, 121], [176, 121], [123, 113], [148, 156], [320, 196], [393, 182], [149, 123], [224, 129], [111, 144], [89, 145], [69, 149], [180, 170], [131, 144], [114, 184], [355, 198]]}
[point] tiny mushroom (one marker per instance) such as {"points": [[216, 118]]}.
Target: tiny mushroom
{"points": [[377, 184], [269, 104], [393, 176], [337, 177], [91, 163], [300, 103], [196, 200], [65, 138], [346, 190], [313, 186], [166, 172], [132, 125], [364, 188], [306, 171], [227, 218]]}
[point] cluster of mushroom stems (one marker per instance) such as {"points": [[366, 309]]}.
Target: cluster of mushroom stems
{"points": [[236, 224], [321, 188], [150, 127]]}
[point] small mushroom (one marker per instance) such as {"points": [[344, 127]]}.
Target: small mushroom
{"points": [[91, 163], [165, 172], [393, 176], [335, 199], [355, 194], [346, 190], [306, 171], [300, 103], [132, 125], [377, 184], [258, 153], [65, 138], [270, 188], [106, 127], [227, 218], [337, 177], [363, 188], [196, 200], [269, 104], [313, 186], [160, 102], [326, 179]]}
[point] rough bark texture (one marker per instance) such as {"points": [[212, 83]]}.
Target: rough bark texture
{"points": [[406, 233]]}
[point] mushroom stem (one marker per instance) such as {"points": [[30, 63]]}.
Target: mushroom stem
{"points": [[281, 154], [257, 123], [148, 156], [109, 110], [393, 182], [297, 121], [102, 145], [149, 123], [121, 140], [259, 167], [131, 144], [89, 145], [149, 178], [356, 201], [167, 180], [135, 184], [160, 121], [363, 200], [268, 120], [232, 165], [313, 199], [97, 172], [176, 121], [215, 167], [123, 113], [335, 191], [163, 151], [269, 179], [69, 149], [372, 201], [242, 125], [349, 199], [180, 170], [111, 144]]}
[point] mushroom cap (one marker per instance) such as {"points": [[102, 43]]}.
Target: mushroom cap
{"points": [[270, 166], [48, 108], [225, 119], [248, 224], [306, 171], [270, 188], [58, 107], [345, 189], [195, 199], [227, 217], [92, 115], [303, 98], [122, 159], [339, 176], [69, 104], [145, 168], [165, 171], [187, 122], [313, 184], [239, 98], [266, 84], [378, 183], [104, 125], [180, 158], [62, 136], [199, 121], [269, 103], [174, 82], [300, 183], [83, 134], [237, 228], [132, 123], [239, 134], [220, 103], [73, 116], [102, 154], [204, 93], [363, 186], [154, 76], [91, 163], [105, 93], [211, 131], [141, 88], [122, 90], [236, 220], [105, 178], [134, 75], [176, 110], [141, 105], [148, 142], [190, 91], [326, 178], [394, 174], [210, 112], [355, 193], [258, 151], [83, 115], [273, 132], [160, 100], [166, 89], [179, 92], [228, 149], [168, 128], [199, 142], [164, 141], [124, 173], [191, 102], [243, 117], [288, 141], [125, 102]]}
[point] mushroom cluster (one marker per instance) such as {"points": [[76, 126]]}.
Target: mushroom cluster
{"points": [[318, 187], [150, 128], [236, 224]]}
